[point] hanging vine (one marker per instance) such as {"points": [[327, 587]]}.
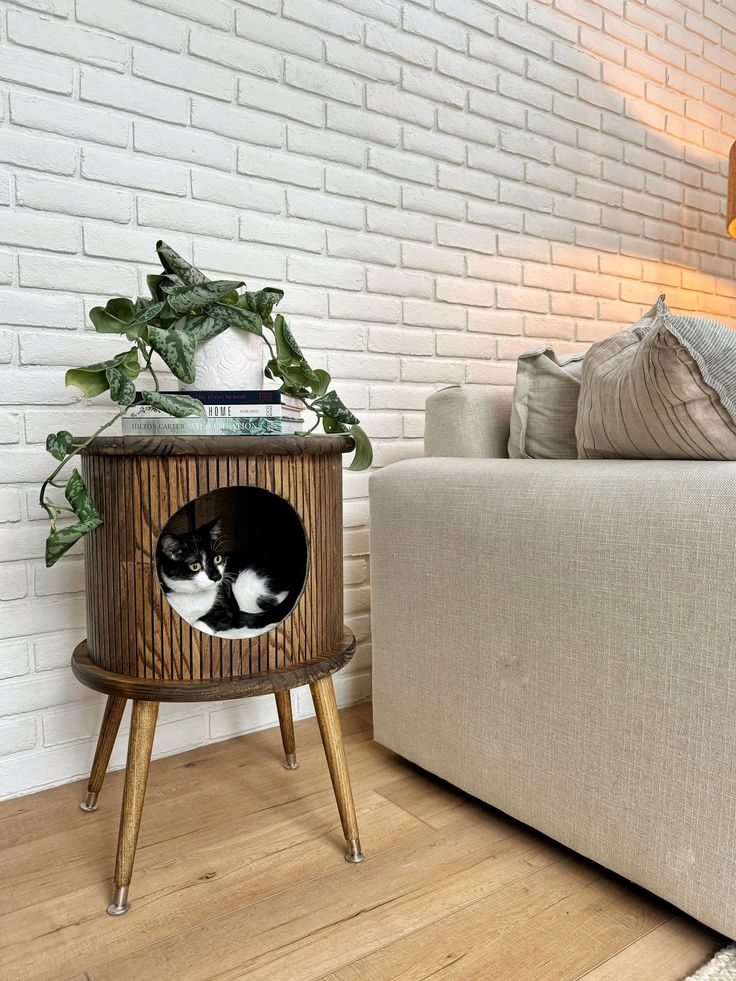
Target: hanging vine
{"points": [[185, 309]]}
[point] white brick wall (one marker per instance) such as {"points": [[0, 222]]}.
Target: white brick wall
{"points": [[438, 184]]}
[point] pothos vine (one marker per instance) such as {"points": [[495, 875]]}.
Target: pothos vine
{"points": [[185, 309]]}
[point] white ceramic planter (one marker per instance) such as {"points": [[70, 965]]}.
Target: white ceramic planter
{"points": [[231, 361]]}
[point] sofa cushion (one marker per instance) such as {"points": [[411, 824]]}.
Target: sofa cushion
{"points": [[665, 389], [544, 406]]}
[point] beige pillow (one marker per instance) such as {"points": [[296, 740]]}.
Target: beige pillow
{"points": [[666, 389], [544, 406]]}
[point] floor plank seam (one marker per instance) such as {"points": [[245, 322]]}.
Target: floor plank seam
{"points": [[458, 888], [636, 940], [238, 909], [450, 913]]}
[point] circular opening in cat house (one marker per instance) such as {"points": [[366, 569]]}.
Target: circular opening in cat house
{"points": [[233, 562]]}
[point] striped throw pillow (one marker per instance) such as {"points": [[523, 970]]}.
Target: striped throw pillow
{"points": [[666, 389]]}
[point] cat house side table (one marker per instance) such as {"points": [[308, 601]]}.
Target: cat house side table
{"points": [[139, 649]]}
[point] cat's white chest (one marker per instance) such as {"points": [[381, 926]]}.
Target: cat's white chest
{"points": [[192, 606]]}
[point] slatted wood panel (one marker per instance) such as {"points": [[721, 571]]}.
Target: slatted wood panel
{"points": [[138, 485]]}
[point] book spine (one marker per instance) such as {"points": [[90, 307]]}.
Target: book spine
{"points": [[169, 426], [265, 397], [219, 411]]}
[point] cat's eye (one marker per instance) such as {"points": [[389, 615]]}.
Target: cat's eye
{"points": [[195, 566], [218, 559]]}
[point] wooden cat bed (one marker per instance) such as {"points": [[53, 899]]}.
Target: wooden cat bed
{"points": [[139, 648]]}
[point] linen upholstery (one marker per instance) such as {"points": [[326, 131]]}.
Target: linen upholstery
{"points": [[468, 421], [663, 390], [545, 406], [557, 638]]}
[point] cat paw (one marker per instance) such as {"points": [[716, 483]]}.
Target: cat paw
{"points": [[201, 625]]}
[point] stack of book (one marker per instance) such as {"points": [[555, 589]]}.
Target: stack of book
{"points": [[246, 413]]}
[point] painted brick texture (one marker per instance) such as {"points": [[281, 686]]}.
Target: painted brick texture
{"points": [[438, 185]]}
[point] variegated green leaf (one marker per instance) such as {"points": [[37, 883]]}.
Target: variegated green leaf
{"points": [[261, 302], [331, 405], [176, 348], [183, 299], [176, 264], [202, 327], [122, 389], [147, 312], [60, 540], [332, 426], [175, 405], [78, 496], [236, 317], [59, 444]]}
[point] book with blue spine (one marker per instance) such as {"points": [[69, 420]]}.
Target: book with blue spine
{"points": [[252, 397]]}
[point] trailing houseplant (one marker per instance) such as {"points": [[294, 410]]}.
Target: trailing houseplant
{"points": [[185, 309]]}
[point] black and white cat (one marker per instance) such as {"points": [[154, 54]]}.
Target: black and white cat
{"points": [[233, 594]]}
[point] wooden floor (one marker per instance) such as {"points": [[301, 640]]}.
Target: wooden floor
{"points": [[240, 874]]}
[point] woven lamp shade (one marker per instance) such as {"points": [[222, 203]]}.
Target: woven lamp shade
{"points": [[731, 203]]}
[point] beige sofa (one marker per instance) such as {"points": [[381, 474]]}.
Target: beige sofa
{"points": [[558, 638]]}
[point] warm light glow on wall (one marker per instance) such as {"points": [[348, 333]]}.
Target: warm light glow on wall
{"points": [[731, 205]]}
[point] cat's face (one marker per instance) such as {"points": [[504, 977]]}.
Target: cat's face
{"points": [[191, 563]]}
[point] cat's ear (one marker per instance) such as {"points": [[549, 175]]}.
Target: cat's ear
{"points": [[215, 529], [170, 546]]}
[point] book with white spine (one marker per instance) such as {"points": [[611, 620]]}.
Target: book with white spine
{"points": [[196, 426]]}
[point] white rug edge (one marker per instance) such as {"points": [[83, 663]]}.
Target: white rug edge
{"points": [[722, 967]]}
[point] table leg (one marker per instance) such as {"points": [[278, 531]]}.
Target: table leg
{"points": [[323, 695], [105, 742], [142, 729], [286, 721]]}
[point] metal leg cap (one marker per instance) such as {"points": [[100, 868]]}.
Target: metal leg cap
{"points": [[291, 762], [354, 854], [90, 802], [119, 904]]}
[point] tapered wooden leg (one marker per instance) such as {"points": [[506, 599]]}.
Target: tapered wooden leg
{"points": [[105, 742], [286, 721], [323, 695], [142, 729]]}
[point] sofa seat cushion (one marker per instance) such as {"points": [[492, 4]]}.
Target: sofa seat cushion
{"points": [[544, 406], [665, 389]]}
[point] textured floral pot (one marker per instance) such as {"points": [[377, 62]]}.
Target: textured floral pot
{"points": [[231, 361]]}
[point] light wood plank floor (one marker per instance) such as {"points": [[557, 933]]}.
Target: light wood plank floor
{"points": [[240, 875]]}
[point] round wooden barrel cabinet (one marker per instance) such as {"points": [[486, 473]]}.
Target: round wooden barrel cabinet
{"points": [[274, 501]]}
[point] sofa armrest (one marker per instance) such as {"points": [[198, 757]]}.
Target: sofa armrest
{"points": [[468, 421]]}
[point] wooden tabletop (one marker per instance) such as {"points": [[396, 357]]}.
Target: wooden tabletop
{"points": [[217, 445]]}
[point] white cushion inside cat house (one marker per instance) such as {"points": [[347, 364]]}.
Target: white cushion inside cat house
{"points": [[233, 562]]}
